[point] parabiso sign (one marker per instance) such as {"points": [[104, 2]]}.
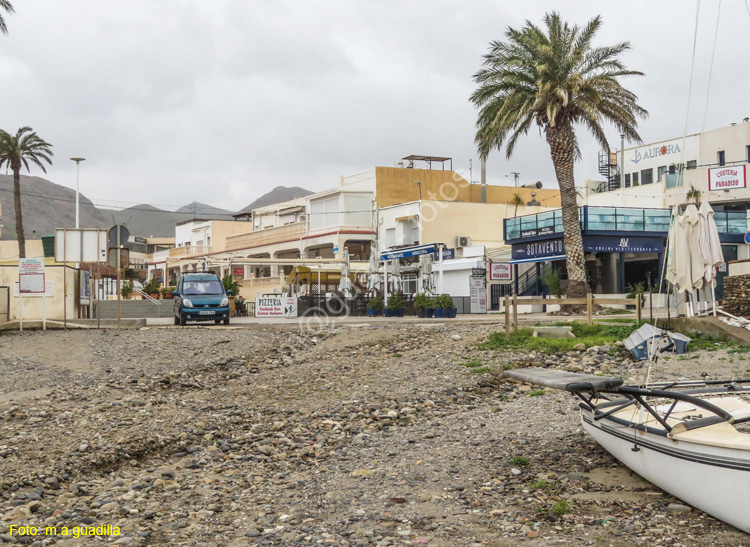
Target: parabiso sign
{"points": [[727, 177]]}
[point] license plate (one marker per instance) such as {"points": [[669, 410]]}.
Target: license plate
{"points": [[207, 312]]}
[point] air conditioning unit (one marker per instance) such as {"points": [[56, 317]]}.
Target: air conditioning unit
{"points": [[463, 241]]}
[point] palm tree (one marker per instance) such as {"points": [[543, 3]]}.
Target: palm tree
{"points": [[517, 201], [555, 79], [7, 6], [16, 151]]}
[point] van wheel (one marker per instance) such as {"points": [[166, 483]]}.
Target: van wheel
{"points": [[183, 320], [226, 321], [217, 321], [176, 320]]}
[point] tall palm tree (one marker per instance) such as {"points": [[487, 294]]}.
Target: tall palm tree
{"points": [[7, 6], [16, 151], [555, 79]]}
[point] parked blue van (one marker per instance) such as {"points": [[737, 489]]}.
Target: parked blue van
{"points": [[201, 297]]}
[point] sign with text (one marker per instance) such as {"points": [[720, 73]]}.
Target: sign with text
{"points": [[479, 272], [541, 231], [727, 177], [31, 275], [501, 272], [478, 294], [238, 271], [275, 306]]}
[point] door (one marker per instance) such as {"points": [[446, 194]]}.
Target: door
{"points": [[4, 304]]}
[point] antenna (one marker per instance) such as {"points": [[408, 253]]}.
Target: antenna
{"points": [[515, 177]]}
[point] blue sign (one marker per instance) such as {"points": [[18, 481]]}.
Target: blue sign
{"points": [[408, 252], [418, 250], [448, 254], [616, 244], [538, 249], [747, 238], [591, 244]]}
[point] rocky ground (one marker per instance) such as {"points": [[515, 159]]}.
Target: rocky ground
{"points": [[359, 435]]}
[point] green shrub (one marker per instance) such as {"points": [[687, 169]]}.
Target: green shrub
{"points": [[444, 301], [561, 508], [375, 303], [395, 302], [422, 301], [551, 280], [230, 284], [519, 460]]}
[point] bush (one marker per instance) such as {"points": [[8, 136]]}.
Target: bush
{"points": [[230, 284], [422, 302], [551, 280], [444, 301], [395, 302], [127, 289], [375, 303], [152, 287]]}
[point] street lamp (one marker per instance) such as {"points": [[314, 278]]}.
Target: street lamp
{"points": [[78, 184]]}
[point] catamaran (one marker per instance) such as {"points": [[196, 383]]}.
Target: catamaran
{"points": [[684, 437]]}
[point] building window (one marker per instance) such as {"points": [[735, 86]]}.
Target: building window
{"points": [[635, 179], [627, 180], [410, 284], [647, 176], [721, 157], [692, 164], [660, 172]]}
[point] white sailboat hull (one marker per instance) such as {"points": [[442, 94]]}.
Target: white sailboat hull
{"points": [[714, 479]]}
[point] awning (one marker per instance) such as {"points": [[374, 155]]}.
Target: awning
{"points": [[538, 259]]}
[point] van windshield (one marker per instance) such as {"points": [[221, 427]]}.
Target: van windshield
{"points": [[202, 287]]}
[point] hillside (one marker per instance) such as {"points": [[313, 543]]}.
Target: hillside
{"points": [[47, 206], [277, 195]]}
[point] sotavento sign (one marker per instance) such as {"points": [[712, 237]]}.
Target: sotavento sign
{"points": [[276, 306], [727, 177]]}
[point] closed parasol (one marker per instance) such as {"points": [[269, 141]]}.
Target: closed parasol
{"points": [[396, 281]]}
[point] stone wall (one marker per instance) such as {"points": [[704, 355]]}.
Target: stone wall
{"points": [[737, 295]]}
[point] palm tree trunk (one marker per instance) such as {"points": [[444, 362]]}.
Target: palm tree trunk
{"points": [[561, 141], [19, 217]]}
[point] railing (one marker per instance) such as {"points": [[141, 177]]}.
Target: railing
{"points": [[189, 250], [147, 297], [613, 219], [268, 236], [161, 256]]}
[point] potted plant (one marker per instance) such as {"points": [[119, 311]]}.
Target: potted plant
{"points": [[374, 306], [152, 288], [127, 291], [444, 306], [395, 307], [424, 305], [166, 293]]}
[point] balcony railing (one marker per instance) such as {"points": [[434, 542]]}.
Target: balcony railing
{"points": [[613, 219], [189, 250], [268, 236]]}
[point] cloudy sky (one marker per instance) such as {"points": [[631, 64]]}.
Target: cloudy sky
{"points": [[174, 101]]}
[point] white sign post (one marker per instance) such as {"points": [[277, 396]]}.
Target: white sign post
{"points": [[30, 281]]}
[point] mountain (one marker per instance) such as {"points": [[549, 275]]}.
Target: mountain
{"points": [[47, 206], [201, 210], [277, 195]]}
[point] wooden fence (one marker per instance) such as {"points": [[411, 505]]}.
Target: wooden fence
{"points": [[511, 306]]}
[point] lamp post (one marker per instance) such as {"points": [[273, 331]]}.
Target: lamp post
{"points": [[78, 184]]}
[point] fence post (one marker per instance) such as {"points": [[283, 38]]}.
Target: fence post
{"points": [[507, 317], [589, 308], [515, 313], [638, 306]]}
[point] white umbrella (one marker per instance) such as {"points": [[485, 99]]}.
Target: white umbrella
{"points": [[345, 284], [373, 281], [396, 281], [425, 268], [710, 244]]}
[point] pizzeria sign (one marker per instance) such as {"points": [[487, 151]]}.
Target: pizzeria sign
{"points": [[727, 177]]}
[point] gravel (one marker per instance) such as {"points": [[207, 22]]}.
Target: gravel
{"points": [[355, 435]]}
